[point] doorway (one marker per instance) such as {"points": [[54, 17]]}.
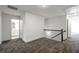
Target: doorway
{"points": [[15, 24], [75, 27], [11, 26]]}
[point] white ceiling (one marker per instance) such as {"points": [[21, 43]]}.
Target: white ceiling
{"points": [[48, 11]]}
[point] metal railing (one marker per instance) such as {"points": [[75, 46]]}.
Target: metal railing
{"points": [[61, 33]]}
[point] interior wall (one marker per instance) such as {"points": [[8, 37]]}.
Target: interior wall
{"points": [[6, 26], [56, 23], [21, 28], [33, 26], [21, 25], [69, 28], [6, 35], [0, 28]]}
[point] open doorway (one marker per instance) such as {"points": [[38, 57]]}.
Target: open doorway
{"points": [[12, 26], [15, 24], [74, 27], [73, 22]]}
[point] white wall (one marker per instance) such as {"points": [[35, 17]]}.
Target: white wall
{"points": [[21, 28], [33, 26], [59, 23], [21, 25], [69, 28], [6, 30], [0, 28]]}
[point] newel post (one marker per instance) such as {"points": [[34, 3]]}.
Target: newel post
{"points": [[61, 35]]}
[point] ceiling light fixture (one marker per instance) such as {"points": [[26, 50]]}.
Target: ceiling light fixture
{"points": [[43, 6]]}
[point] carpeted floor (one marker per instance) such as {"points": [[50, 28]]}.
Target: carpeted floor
{"points": [[42, 45]]}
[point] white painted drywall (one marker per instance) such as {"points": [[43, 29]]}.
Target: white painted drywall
{"points": [[69, 28], [21, 25], [6, 30], [33, 26], [0, 28], [58, 23], [21, 29]]}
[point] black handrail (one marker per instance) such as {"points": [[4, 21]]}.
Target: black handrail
{"points": [[51, 30], [57, 34], [61, 32]]}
